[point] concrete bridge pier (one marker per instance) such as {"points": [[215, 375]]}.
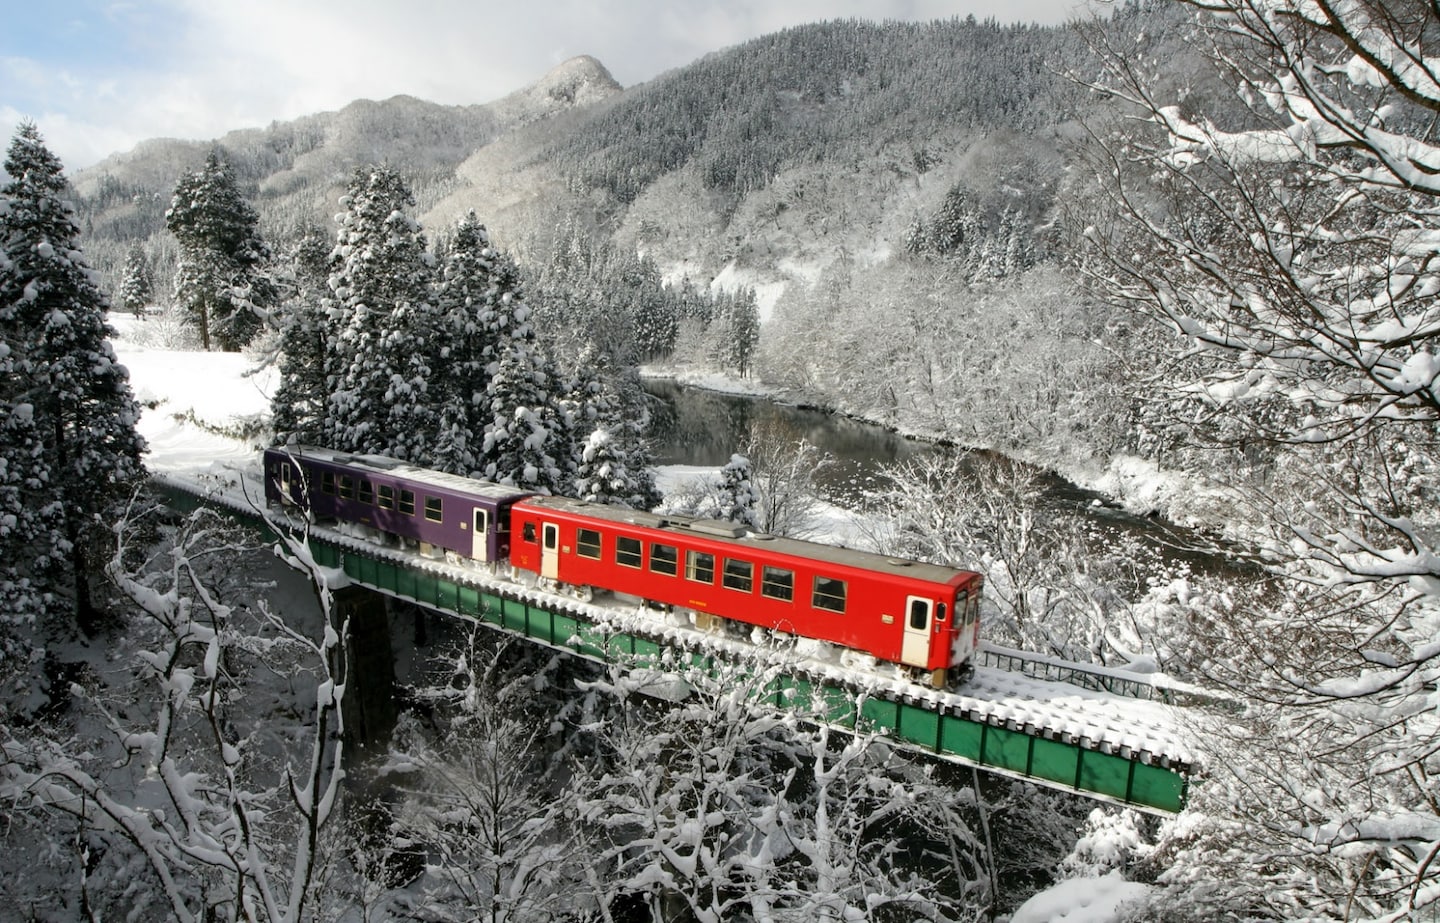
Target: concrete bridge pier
{"points": [[370, 702]]}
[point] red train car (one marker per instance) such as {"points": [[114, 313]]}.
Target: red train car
{"points": [[923, 616]]}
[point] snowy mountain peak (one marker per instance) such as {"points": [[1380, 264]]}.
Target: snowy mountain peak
{"points": [[580, 81]]}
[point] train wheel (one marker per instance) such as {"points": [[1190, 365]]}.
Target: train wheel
{"points": [[584, 593]]}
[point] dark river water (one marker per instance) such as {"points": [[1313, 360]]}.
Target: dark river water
{"points": [[705, 428]]}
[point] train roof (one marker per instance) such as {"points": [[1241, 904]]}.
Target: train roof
{"points": [[738, 534], [384, 465]]}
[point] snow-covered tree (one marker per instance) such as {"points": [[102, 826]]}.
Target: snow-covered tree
{"points": [[383, 329], [736, 497], [179, 790], [301, 399], [72, 453], [715, 808], [137, 284], [527, 439], [657, 313], [223, 275], [1053, 582], [31, 527], [613, 462], [474, 279], [527, 442], [484, 800], [1287, 246], [782, 475], [736, 329]]}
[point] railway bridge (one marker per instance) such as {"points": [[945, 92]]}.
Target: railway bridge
{"points": [[1105, 734]]}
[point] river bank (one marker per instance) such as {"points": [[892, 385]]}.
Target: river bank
{"points": [[1129, 483]]}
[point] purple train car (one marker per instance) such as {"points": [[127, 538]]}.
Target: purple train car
{"points": [[459, 514]]}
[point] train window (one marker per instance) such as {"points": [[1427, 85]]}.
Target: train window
{"points": [[367, 491], [777, 583], [327, 482], [919, 614], [627, 551], [385, 497], [434, 509], [664, 559], [829, 594], [700, 566], [407, 502], [739, 575], [347, 487], [587, 543], [527, 533]]}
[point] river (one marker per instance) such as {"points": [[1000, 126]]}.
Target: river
{"points": [[705, 428]]}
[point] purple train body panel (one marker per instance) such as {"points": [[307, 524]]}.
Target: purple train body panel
{"points": [[468, 517]]}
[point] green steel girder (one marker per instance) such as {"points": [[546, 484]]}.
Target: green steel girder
{"points": [[967, 739]]}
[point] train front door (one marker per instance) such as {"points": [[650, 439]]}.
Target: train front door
{"points": [[915, 646], [550, 550], [285, 495], [480, 537]]}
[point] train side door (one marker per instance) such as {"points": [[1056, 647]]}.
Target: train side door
{"points": [[550, 550], [285, 479], [915, 645], [480, 536]]}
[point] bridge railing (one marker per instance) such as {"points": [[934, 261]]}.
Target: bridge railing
{"points": [[1095, 677]]}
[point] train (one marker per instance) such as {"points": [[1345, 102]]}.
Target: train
{"points": [[924, 618]]}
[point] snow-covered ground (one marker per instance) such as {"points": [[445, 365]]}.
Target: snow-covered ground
{"points": [[1082, 900]]}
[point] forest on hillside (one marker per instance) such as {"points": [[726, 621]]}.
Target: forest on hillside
{"points": [[837, 90]]}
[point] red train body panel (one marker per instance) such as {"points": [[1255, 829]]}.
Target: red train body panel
{"points": [[920, 615]]}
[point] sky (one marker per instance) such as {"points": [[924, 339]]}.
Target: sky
{"points": [[99, 76]]}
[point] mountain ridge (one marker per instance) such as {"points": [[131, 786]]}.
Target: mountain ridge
{"points": [[774, 163]]}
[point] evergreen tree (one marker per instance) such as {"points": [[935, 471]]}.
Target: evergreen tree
{"points": [[736, 495], [31, 528], [469, 302], [740, 332], [383, 326], [221, 278], [70, 455], [613, 462], [137, 285], [597, 296], [955, 227], [527, 440], [527, 434], [656, 311], [1019, 249], [300, 402]]}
